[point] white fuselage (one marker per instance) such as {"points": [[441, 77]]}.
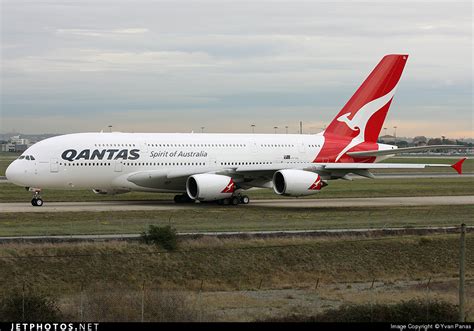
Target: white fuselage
{"points": [[193, 153], [104, 161]]}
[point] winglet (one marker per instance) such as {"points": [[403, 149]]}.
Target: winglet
{"points": [[458, 165]]}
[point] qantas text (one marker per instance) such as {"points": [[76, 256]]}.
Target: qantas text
{"points": [[96, 154]]}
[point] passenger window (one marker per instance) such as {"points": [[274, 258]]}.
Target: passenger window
{"points": [[32, 158], [27, 157]]}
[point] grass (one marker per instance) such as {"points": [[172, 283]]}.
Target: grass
{"points": [[336, 189], [414, 311], [247, 218], [5, 161], [230, 264]]}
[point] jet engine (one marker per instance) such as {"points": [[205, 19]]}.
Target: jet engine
{"points": [[293, 182], [209, 187]]}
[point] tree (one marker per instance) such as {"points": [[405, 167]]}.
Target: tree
{"points": [[420, 140], [37, 307], [402, 143], [435, 141], [166, 237]]}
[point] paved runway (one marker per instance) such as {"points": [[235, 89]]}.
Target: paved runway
{"points": [[22, 207]]}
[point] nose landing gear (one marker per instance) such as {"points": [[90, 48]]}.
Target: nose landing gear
{"points": [[37, 201]]}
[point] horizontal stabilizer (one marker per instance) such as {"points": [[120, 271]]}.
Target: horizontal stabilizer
{"points": [[458, 165], [404, 150], [367, 166]]}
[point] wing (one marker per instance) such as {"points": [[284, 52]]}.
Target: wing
{"points": [[261, 175], [339, 170], [403, 150]]}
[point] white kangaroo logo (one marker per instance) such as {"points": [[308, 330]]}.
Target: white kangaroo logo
{"points": [[345, 118], [361, 118]]}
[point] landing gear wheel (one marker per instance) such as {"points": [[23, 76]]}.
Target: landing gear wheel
{"points": [[36, 201], [226, 201], [220, 202], [244, 199], [235, 201], [182, 198]]}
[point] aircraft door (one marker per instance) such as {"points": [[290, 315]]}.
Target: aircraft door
{"points": [[143, 146], [253, 146], [118, 166], [212, 162], [302, 151], [301, 147], [54, 165]]}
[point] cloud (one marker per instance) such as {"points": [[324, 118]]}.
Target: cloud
{"points": [[101, 32], [222, 61]]}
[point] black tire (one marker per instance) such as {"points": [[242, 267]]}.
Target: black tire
{"points": [[220, 202], [235, 201], [39, 202], [187, 199], [245, 199], [178, 198], [226, 201], [33, 202]]}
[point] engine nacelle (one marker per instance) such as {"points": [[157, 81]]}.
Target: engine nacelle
{"points": [[209, 187], [293, 182]]}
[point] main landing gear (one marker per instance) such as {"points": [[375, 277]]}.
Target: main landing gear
{"points": [[37, 201], [183, 198], [235, 200]]}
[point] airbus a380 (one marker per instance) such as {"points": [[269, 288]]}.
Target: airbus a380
{"points": [[220, 167]]}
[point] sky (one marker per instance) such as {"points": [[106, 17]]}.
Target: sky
{"points": [[177, 66]]}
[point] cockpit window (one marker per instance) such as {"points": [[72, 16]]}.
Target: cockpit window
{"points": [[28, 157]]}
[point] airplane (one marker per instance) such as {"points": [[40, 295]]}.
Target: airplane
{"points": [[221, 167]]}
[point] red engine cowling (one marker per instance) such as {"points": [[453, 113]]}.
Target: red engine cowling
{"points": [[209, 187], [293, 182]]}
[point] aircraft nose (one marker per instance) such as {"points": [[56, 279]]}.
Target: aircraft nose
{"points": [[14, 172]]}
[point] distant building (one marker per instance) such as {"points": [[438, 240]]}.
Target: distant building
{"points": [[388, 139], [8, 147], [19, 141]]}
